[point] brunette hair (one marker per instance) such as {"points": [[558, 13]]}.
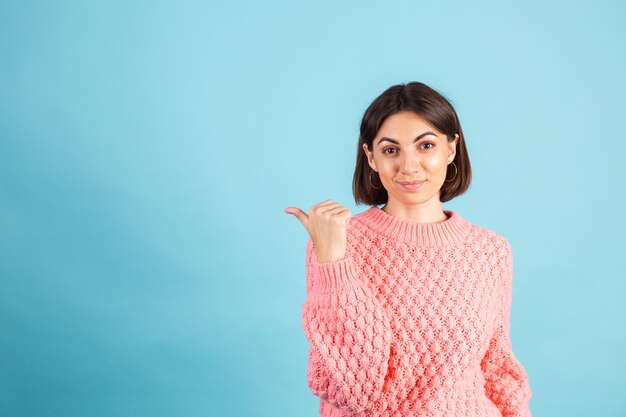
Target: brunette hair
{"points": [[437, 111]]}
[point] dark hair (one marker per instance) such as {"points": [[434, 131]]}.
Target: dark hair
{"points": [[437, 111]]}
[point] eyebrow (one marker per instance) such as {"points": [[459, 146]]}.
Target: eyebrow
{"points": [[385, 138]]}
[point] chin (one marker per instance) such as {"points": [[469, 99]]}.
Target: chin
{"points": [[408, 200], [417, 197]]}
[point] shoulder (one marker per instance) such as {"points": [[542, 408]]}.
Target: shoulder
{"points": [[498, 254], [363, 225], [498, 244], [357, 219], [491, 235]]}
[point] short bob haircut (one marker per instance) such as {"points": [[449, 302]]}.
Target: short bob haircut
{"points": [[435, 109]]}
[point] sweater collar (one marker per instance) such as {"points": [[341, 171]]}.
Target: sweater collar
{"points": [[447, 232]]}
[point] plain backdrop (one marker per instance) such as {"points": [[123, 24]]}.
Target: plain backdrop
{"points": [[148, 149]]}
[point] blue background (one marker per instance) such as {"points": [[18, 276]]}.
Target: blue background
{"points": [[148, 149]]}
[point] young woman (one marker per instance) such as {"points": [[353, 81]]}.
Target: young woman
{"points": [[408, 306]]}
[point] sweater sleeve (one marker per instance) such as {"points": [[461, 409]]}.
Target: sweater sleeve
{"points": [[506, 381], [349, 334]]}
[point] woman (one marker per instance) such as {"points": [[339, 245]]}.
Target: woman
{"points": [[408, 306]]}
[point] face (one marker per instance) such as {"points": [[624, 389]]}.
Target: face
{"points": [[407, 149]]}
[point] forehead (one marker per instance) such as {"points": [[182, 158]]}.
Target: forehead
{"points": [[405, 125]]}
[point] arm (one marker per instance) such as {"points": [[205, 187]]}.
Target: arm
{"points": [[349, 335], [506, 381]]}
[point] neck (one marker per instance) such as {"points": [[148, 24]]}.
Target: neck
{"points": [[428, 212]]}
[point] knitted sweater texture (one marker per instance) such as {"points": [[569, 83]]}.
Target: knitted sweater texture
{"points": [[413, 321]]}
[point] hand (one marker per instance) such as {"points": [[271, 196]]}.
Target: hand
{"points": [[327, 224]]}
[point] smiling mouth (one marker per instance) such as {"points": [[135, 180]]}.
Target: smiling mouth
{"points": [[413, 185]]}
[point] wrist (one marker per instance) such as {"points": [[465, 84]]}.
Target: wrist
{"points": [[323, 259]]}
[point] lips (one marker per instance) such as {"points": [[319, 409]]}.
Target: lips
{"points": [[411, 185]]}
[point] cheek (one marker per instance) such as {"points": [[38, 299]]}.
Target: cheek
{"points": [[386, 165], [437, 162]]}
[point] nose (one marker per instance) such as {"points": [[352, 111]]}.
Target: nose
{"points": [[409, 163]]}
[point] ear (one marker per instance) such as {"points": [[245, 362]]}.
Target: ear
{"points": [[452, 147], [370, 157]]}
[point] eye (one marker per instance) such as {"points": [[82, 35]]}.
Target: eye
{"points": [[428, 143], [389, 148]]}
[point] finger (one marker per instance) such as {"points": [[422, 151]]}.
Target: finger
{"points": [[321, 204], [336, 209], [324, 207], [299, 214], [340, 213]]}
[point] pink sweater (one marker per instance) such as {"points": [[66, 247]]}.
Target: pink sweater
{"points": [[414, 321]]}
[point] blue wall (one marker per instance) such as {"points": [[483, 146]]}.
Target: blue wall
{"points": [[148, 149]]}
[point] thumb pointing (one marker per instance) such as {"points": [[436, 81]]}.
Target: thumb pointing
{"points": [[300, 215]]}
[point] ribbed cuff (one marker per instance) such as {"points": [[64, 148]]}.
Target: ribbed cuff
{"points": [[333, 276]]}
